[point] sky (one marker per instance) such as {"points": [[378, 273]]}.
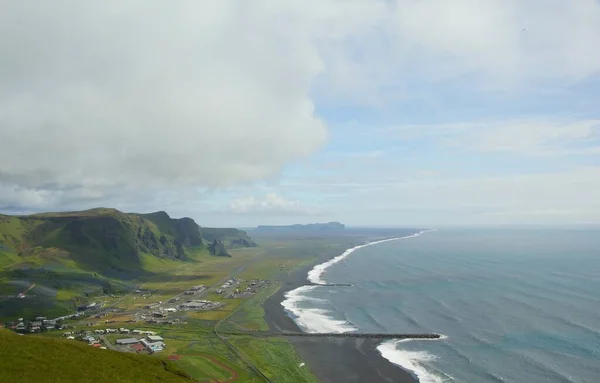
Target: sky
{"points": [[368, 112]]}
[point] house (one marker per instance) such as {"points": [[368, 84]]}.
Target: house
{"points": [[127, 341], [91, 340], [153, 346], [99, 332], [148, 333], [137, 332], [171, 310], [110, 330], [70, 337], [154, 338], [124, 330]]}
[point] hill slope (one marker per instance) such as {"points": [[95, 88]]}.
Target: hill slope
{"points": [[97, 251], [39, 359]]}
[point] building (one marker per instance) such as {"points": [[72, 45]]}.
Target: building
{"points": [[153, 346], [154, 338], [137, 332], [171, 310], [127, 341]]}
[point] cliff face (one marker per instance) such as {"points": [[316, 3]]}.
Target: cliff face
{"points": [[231, 238], [109, 239]]}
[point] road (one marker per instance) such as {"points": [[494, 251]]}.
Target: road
{"points": [[108, 345]]}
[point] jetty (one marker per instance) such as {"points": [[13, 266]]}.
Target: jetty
{"points": [[320, 284], [360, 335], [337, 335]]}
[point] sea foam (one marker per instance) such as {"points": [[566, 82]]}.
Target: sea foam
{"points": [[410, 360], [315, 274], [312, 320], [318, 320]]}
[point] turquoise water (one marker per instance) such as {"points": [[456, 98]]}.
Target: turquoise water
{"points": [[515, 305]]}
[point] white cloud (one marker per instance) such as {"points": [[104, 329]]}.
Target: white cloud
{"points": [[139, 97], [270, 204]]}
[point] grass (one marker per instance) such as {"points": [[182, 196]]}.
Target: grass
{"points": [[65, 295], [200, 368], [250, 317], [36, 359], [275, 357]]}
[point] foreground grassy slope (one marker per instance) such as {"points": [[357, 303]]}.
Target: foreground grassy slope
{"points": [[38, 359]]}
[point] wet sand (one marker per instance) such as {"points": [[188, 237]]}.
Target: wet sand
{"points": [[333, 360]]}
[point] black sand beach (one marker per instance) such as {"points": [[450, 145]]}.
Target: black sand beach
{"points": [[333, 360]]}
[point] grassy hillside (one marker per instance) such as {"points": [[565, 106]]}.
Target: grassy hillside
{"points": [[40, 359], [73, 255]]}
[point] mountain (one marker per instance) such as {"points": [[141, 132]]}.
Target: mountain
{"points": [[33, 358], [330, 226], [98, 251]]}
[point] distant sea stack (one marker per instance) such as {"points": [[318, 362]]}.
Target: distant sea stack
{"points": [[330, 226]]}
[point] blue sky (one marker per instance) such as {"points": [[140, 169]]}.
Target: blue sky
{"points": [[379, 113]]}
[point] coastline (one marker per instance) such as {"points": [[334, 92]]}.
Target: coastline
{"points": [[332, 360]]}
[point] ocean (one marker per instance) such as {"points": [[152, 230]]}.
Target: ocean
{"points": [[518, 305]]}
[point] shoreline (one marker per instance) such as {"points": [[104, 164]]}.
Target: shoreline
{"points": [[332, 360]]}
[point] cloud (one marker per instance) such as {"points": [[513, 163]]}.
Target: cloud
{"points": [[270, 204], [528, 136], [137, 98]]}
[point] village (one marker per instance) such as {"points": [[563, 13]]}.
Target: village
{"points": [[169, 312], [139, 341]]}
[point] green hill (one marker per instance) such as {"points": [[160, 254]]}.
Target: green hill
{"points": [[83, 253], [40, 359]]}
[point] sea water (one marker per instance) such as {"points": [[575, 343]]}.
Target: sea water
{"points": [[520, 305]]}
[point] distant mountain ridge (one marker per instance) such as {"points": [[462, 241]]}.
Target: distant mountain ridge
{"points": [[330, 226], [119, 238]]}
